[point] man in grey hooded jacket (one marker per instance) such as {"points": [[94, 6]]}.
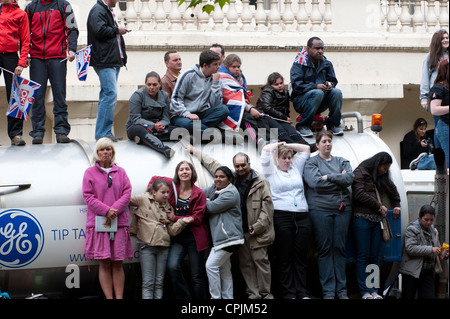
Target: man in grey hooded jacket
{"points": [[197, 96]]}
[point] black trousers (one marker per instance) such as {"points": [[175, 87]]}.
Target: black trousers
{"points": [[424, 285], [293, 231], [9, 62]]}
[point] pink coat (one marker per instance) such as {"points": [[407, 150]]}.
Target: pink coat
{"points": [[100, 198]]}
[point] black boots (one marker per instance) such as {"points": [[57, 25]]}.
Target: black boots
{"points": [[154, 143]]}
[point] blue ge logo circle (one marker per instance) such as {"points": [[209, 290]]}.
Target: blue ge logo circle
{"points": [[21, 238]]}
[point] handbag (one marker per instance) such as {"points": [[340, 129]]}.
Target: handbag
{"points": [[384, 223]]}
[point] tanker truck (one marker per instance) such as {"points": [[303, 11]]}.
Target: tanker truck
{"points": [[43, 214]]}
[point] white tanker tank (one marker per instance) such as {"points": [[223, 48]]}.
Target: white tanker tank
{"points": [[43, 214]]}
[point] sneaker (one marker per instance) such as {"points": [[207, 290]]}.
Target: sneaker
{"points": [[336, 130], [343, 296], [305, 131], [114, 138], [415, 162], [37, 140], [62, 138], [17, 141]]}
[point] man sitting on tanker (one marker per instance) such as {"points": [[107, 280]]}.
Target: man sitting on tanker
{"points": [[314, 88], [198, 95]]}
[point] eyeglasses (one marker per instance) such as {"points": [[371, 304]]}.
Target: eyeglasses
{"points": [[109, 181]]}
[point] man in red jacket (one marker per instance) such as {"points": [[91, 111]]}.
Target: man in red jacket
{"points": [[14, 37], [54, 33]]}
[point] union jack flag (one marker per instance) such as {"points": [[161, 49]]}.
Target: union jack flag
{"points": [[83, 58], [302, 57], [22, 97], [234, 98]]}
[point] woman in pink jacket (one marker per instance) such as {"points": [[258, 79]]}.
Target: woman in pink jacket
{"points": [[107, 192]]}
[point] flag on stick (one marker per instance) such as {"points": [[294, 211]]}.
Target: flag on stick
{"points": [[83, 58], [22, 97]]}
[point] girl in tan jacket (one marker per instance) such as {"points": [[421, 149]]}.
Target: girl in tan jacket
{"points": [[153, 229]]}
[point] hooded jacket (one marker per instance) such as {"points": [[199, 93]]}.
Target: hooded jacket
{"points": [[100, 198], [225, 219], [197, 207], [14, 31], [51, 31], [415, 248], [305, 78], [150, 222], [194, 93], [259, 206]]}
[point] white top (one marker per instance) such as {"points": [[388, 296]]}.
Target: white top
{"points": [[287, 188]]}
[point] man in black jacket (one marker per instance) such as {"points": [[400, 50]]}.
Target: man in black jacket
{"points": [[108, 56], [314, 89]]}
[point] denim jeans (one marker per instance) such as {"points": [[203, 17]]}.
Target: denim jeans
{"points": [[442, 134], [330, 231], [177, 253], [107, 101], [209, 118], [317, 101], [55, 71], [153, 267], [368, 241], [218, 269]]}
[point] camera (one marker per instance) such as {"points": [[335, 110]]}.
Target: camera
{"points": [[429, 143]]}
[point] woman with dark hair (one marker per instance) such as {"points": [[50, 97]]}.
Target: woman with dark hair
{"points": [[149, 118], [225, 222], [274, 101], [330, 205], [419, 260], [415, 142], [371, 182], [439, 97], [188, 200], [438, 51]]}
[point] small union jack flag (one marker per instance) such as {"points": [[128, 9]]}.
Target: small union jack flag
{"points": [[83, 58], [302, 57], [22, 97]]}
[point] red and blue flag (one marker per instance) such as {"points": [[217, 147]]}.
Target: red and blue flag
{"points": [[302, 57], [23, 93], [83, 58]]}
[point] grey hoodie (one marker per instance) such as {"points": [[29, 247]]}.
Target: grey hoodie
{"points": [[194, 93], [415, 248], [224, 214]]}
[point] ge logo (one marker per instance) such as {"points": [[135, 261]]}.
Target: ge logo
{"points": [[21, 238]]}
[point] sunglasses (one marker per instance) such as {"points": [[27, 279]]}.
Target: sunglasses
{"points": [[109, 181]]}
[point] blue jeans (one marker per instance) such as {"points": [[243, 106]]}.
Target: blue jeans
{"points": [[317, 101], [107, 101], [437, 143], [177, 253], [209, 118], [153, 267], [368, 241], [442, 135], [55, 71], [330, 231]]}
